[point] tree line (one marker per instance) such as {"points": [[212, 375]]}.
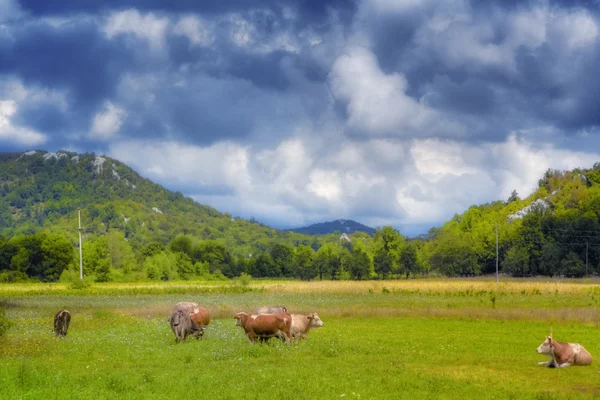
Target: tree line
{"points": [[558, 235]]}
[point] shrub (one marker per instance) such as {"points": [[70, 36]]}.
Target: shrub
{"points": [[244, 279]]}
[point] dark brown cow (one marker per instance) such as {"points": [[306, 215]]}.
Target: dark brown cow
{"points": [[265, 325], [563, 354], [62, 319]]}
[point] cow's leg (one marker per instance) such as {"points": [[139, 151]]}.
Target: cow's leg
{"points": [[564, 365]]}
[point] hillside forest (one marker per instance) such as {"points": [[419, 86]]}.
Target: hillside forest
{"points": [[134, 230]]}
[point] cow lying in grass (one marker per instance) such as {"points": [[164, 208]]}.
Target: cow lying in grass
{"points": [[198, 315], [62, 319], [264, 326], [563, 354]]}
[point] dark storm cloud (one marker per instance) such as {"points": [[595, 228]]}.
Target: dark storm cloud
{"points": [[75, 57], [44, 117], [310, 11]]}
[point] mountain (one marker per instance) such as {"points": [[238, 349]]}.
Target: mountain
{"points": [[347, 226], [42, 190]]}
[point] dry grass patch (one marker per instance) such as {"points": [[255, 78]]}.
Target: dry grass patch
{"points": [[441, 286]]}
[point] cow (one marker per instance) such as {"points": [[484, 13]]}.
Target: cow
{"points": [[264, 326], [301, 324], [563, 354], [272, 310], [202, 318], [198, 315], [182, 325], [62, 319]]}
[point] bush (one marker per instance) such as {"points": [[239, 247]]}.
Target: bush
{"points": [[244, 279], [80, 284], [13, 277]]}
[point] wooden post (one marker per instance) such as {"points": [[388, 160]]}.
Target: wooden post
{"points": [[80, 248], [586, 258], [497, 279]]}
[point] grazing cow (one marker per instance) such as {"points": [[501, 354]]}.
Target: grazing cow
{"points": [[265, 325], [62, 319], [272, 310], [301, 324], [563, 354], [199, 315], [182, 325]]}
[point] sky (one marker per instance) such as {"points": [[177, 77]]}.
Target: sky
{"points": [[388, 112]]}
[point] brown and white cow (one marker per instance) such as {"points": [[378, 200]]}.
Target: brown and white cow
{"points": [[563, 354], [202, 318], [182, 325], [301, 325], [264, 326], [197, 314], [272, 310], [62, 319]]}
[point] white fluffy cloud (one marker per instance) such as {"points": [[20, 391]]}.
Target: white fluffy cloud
{"points": [[377, 103], [146, 26], [437, 178], [106, 124], [13, 133], [196, 30]]}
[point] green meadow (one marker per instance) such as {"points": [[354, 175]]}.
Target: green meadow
{"points": [[421, 339]]}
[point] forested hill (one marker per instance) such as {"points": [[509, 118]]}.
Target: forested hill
{"points": [[554, 231], [347, 226], [39, 190]]}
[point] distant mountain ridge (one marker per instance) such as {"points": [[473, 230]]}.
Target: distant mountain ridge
{"points": [[347, 226]]}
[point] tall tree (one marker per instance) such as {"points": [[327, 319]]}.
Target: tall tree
{"points": [[304, 266]]}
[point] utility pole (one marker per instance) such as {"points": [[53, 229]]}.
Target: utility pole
{"points": [[586, 257], [80, 248], [497, 279]]}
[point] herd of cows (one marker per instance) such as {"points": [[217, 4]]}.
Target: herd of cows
{"points": [[189, 319]]}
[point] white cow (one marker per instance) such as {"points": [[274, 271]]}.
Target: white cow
{"points": [[301, 325]]}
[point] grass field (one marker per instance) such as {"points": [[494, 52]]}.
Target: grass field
{"points": [[414, 339]]}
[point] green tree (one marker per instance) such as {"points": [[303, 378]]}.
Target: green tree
{"points": [[516, 261], [572, 266], [304, 266], [103, 272], [58, 255], [388, 245], [264, 266], [181, 244], [408, 260], [360, 264], [283, 257]]}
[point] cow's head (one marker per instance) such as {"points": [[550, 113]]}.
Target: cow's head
{"points": [[315, 321], [177, 318], [238, 318], [546, 347]]}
